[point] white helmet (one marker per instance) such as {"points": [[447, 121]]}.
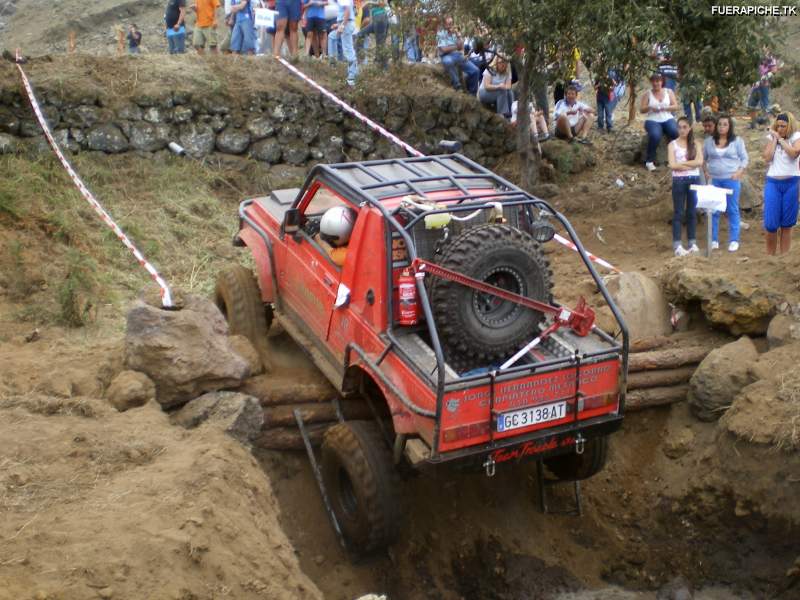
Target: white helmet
{"points": [[337, 225]]}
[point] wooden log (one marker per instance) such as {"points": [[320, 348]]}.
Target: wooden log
{"points": [[658, 396], [651, 379], [670, 358], [651, 343], [289, 438], [313, 412], [275, 391]]}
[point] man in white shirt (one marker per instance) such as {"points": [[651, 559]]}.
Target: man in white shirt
{"points": [[573, 117], [344, 31]]}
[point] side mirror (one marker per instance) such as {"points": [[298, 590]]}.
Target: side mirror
{"points": [[291, 220]]}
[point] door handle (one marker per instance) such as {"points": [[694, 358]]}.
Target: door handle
{"points": [[328, 281]]}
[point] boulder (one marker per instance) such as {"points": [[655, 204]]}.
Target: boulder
{"points": [[238, 415], [148, 137], [268, 150], [129, 112], [197, 139], [9, 123], [82, 116], [360, 140], [8, 144], [107, 138], [678, 588], [260, 127], [783, 329], [29, 128], [720, 377], [296, 152], [726, 301], [233, 141], [244, 348], [568, 158], [182, 114], [185, 352], [749, 198], [130, 389], [642, 303]]}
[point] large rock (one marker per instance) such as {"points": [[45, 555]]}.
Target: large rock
{"points": [[107, 138], [238, 415], [185, 352], [720, 377], [197, 139], [260, 127], [568, 158], [296, 152], [244, 348], [148, 137], [361, 140], [82, 116], [268, 150], [783, 329], [130, 389], [8, 144], [233, 141], [749, 197], [736, 305], [642, 303]]}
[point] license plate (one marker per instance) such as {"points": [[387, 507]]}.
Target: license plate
{"points": [[533, 415]]}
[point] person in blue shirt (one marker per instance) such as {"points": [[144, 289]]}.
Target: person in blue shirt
{"points": [[451, 46], [243, 37], [317, 35]]}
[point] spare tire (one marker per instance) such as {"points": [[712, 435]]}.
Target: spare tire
{"points": [[478, 329]]}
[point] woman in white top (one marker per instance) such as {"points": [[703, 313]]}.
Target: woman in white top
{"points": [[658, 104], [495, 87], [685, 160], [781, 188]]}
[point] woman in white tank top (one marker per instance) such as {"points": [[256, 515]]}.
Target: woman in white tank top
{"points": [[658, 105], [685, 160]]}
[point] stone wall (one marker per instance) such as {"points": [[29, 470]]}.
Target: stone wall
{"points": [[270, 126]]}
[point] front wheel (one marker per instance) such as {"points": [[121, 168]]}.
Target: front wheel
{"points": [[575, 467], [362, 486]]}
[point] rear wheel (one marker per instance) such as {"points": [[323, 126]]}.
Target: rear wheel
{"points": [[238, 298], [575, 467], [361, 483]]}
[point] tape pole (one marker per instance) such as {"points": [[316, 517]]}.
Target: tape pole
{"points": [[407, 147], [166, 296]]}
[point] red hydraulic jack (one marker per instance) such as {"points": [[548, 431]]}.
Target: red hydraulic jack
{"points": [[580, 319]]}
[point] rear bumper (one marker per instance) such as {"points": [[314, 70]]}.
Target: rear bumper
{"points": [[538, 444]]}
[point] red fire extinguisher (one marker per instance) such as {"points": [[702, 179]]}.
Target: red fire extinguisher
{"points": [[407, 296]]}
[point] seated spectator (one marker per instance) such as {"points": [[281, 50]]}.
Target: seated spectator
{"points": [[450, 45], [495, 87], [134, 39], [538, 122], [572, 117], [658, 105], [480, 55]]}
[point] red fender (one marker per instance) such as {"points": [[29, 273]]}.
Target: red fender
{"points": [[261, 257]]}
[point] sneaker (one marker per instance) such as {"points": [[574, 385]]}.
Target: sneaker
{"points": [[733, 246], [650, 166], [715, 245], [693, 249], [681, 251], [543, 137]]}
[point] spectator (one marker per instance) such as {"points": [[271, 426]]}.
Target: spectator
{"points": [[317, 36], [570, 75], [539, 130], [692, 97], [288, 14], [606, 99], [781, 188], [709, 125], [134, 39], [759, 94], [225, 45], [450, 46], [480, 55], [345, 28], [205, 28], [725, 160], [243, 36], [378, 24], [685, 160], [571, 116], [495, 88], [658, 105], [174, 18]]}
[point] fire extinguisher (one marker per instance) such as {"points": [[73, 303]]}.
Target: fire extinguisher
{"points": [[407, 296]]}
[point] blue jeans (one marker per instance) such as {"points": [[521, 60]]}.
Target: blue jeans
{"points": [[605, 112], [698, 109], [348, 49], [380, 27], [684, 202], [411, 47], [732, 210], [243, 37], [655, 131], [177, 40], [452, 61], [502, 100]]}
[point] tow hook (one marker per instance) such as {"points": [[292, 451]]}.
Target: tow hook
{"points": [[490, 466], [580, 444]]}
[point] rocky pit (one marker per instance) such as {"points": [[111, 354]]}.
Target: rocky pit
{"points": [[120, 478]]}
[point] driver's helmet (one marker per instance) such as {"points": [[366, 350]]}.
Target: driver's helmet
{"points": [[337, 225]]}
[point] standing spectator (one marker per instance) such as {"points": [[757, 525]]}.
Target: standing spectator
{"points": [[658, 105], [685, 160], [174, 18], [205, 28], [569, 74], [264, 35], [450, 46], [606, 99], [377, 24], [134, 39], [345, 28], [709, 125], [759, 94], [572, 117], [243, 37], [725, 161], [225, 45], [288, 13], [691, 92], [495, 88], [317, 36], [781, 189]]}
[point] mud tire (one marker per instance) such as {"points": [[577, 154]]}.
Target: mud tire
{"points": [[576, 467], [238, 298], [362, 485], [474, 330]]}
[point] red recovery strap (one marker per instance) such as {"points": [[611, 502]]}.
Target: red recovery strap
{"points": [[580, 319]]}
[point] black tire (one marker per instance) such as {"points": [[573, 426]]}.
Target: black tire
{"points": [[362, 485], [476, 329], [238, 298], [575, 467]]}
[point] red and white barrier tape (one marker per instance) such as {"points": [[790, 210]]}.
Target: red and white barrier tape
{"points": [[166, 297], [410, 149]]}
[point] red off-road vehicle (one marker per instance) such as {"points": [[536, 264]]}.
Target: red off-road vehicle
{"points": [[441, 318]]}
